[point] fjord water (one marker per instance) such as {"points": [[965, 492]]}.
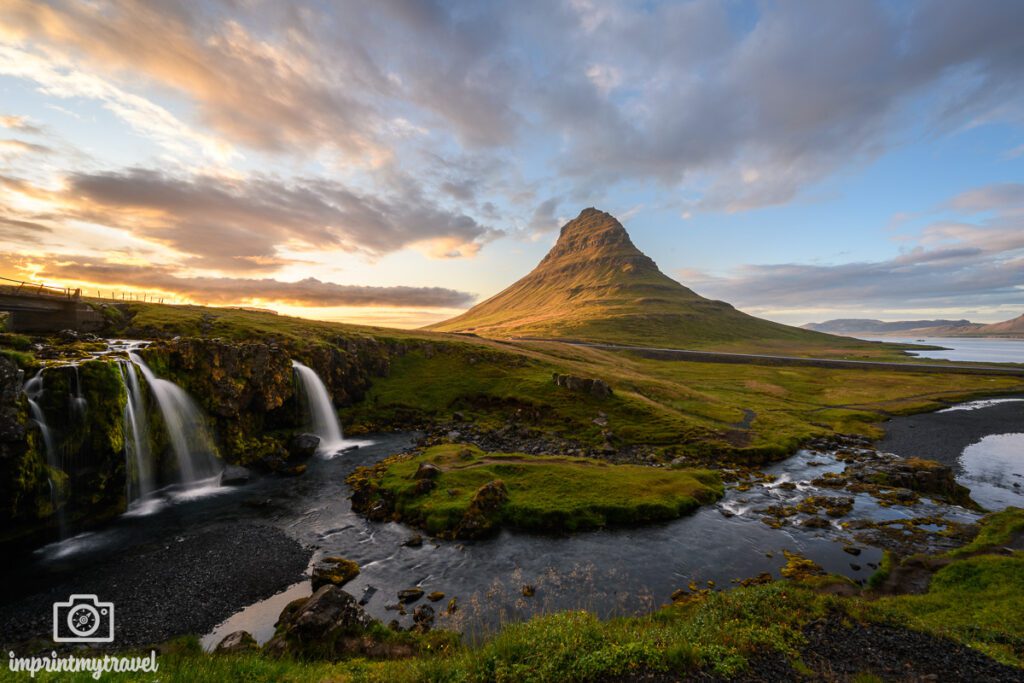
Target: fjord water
{"points": [[972, 349]]}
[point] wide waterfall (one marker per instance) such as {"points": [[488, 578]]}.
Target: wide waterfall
{"points": [[186, 428], [324, 420]]}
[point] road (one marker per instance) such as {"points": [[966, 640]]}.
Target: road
{"points": [[767, 359]]}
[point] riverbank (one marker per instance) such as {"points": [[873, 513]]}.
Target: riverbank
{"points": [[185, 584]]}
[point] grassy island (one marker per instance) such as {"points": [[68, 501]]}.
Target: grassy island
{"points": [[460, 491]]}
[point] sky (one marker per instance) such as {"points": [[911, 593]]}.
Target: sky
{"points": [[393, 162]]}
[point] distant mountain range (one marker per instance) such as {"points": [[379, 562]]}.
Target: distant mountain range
{"points": [[919, 328]]}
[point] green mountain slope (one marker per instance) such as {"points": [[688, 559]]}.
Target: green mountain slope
{"points": [[596, 285]]}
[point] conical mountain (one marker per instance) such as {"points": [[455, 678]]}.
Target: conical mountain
{"points": [[596, 285]]}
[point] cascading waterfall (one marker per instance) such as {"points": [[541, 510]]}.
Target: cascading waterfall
{"points": [[186, 429], [324, 420], [33, 391], [138, 460]]}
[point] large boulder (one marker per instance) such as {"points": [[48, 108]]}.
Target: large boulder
{"points": [[482, 517]]}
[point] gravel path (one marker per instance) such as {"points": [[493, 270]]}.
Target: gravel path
{"points": [[187, 585]]}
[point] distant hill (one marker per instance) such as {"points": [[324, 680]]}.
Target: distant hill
{"points": [[920, 328], [596, 285], [868, 326]]}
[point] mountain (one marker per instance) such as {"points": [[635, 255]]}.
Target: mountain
{"points": [[596, 285], [867, 326], [920, 328], [1012, 328]]}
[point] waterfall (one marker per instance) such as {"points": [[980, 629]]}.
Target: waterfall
{"points": [[138, 460], [190, 439], [324, 419], [34, 390]]}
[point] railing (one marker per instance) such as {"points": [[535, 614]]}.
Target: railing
{"points": [[39, 289]]}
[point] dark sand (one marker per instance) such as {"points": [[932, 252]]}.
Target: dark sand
{"points": [[944, 436], [187, 585]]}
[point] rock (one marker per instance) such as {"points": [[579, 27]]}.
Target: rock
{"points": [[423, 618], [239, 641], [329, 611], [427, 470], [529, 590], [482, 516], [600, 389], [851, 549], [235, 475], [303, 446], [410, 595], [414, 541], [453, 606], [435, 596], [335, 571], [816, 522], [424, 486], [458, 417]]}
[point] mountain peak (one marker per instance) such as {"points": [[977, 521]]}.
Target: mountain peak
{"points": [[592, 237]]}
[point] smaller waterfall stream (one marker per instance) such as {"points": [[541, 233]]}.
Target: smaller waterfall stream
{"points": [[34, 390], [324, 420]]}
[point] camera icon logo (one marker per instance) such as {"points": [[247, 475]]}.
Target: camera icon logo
{"points": [[83, 619]]}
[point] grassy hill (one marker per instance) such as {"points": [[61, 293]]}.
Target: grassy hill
{"points": [[596, 285]]}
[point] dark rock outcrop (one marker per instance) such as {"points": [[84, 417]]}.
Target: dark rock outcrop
{"points": [[582, 385]]}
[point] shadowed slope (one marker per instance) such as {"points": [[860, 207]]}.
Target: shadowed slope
{"points": [[595, 284]]}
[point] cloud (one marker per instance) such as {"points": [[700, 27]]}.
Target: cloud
{"points": [[18, 147], [228, 290], [748, 110], [20, 123], [956, 265], [240, 225]]}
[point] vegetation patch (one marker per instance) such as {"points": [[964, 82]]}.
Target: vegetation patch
{"points": [[459, 491]]}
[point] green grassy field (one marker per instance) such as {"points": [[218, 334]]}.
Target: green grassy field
{"points": [[545, 493]]}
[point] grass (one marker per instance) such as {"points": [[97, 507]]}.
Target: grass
{"points": [[545, 493], [998, 530]]}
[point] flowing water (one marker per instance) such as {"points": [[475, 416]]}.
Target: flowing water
{"points": [[323, 418], [138, 458], [190, 438], [33, 391]]}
